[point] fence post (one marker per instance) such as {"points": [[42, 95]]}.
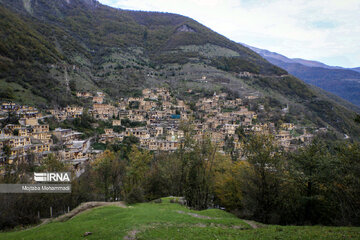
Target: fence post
{"points": [[51, 212]]}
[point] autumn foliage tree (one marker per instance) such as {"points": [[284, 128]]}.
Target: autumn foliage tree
{"points": [[136, 174], [103, 167]]}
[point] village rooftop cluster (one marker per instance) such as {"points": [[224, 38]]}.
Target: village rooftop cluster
{"points": [[157, 116]]}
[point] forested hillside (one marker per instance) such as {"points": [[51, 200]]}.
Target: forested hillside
{"points": [[55, 48]]}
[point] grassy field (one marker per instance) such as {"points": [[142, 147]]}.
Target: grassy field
{"points": [[170, 221]]}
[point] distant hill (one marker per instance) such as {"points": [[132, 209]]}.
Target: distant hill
{"points": [[51, 49], [356, 69], [341, 81]]}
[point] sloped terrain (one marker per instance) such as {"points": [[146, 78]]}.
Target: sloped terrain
{"points": [[342, 82], [171, 221], [55, 48]]}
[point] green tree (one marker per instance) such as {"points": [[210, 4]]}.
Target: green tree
{"points": [[52, 164], [7, 93], [103, 169], [200, 166], [262, 177], [312, 169], [164, 176], [137, 170], [72, 85], [357, 118], [346, 184]]}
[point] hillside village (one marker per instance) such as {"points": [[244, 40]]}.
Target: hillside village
{"points": [[168, 128], [155, 119]]}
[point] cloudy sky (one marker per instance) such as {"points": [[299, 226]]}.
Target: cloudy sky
{"points": [[322, 30]]}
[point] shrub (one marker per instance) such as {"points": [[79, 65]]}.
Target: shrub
{"points": [[136, 195]]}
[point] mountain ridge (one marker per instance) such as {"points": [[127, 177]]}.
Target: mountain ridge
{"points": [[309, 63], [344, 82], [97, 47]]}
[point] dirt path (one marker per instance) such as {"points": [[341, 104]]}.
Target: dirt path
{"points": [[131, 235], [67, 83], [252, 224], [81, 208], [195, 215], [86, 206]]}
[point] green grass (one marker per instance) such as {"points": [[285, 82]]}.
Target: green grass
{"points": [[210, 50], [21, 95], [171, 221]]}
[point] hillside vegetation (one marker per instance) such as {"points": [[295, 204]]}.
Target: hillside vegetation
{"points": [[318, 184], [171, 221], [95, 47]]}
